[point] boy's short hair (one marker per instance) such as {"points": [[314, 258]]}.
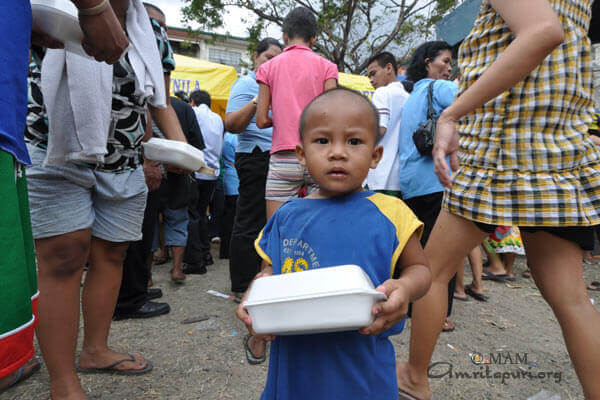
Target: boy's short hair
{"points": [[384, 59], [337, 91], [155, 8], [300, 22], [200, 97]]}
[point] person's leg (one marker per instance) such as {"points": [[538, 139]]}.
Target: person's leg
{"points": [[207, 190], [217, 209], [193, 253], [60, 267], [134, 285], [556, 268], [250, 218], [495, 268], [227, 225], [509, 261], [459, 288], [176, 223], [476, 268], [444, 253], [100, 292]]}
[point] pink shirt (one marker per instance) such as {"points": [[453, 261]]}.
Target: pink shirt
{"points": [[294, 77]]}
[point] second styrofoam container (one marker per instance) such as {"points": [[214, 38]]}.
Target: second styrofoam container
{"points": [[173, 152], [315, 301]]}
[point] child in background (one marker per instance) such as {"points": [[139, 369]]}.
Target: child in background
{"points": [[287, 83], [341, 223]]}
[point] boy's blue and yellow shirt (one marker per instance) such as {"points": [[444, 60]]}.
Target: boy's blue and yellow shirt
{"points": [[366, 229]]}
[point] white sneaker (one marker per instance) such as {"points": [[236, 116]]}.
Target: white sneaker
{"points": [[216, 239]]}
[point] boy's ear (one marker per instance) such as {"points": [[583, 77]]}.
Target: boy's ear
{"points": [[312, 41], [300, 154], [286, 38], [376, 156]]}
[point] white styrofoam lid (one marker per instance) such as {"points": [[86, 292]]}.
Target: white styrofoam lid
{"points": [[174, 145], [314, 283], [58, 18]]}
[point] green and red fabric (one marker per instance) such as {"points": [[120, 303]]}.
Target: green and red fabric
{"points": [[18, 283]]}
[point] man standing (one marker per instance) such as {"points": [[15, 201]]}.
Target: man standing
{"points": [[389, 98], [105, 40], [197, 252]]}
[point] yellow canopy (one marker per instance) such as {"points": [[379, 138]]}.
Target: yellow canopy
{"points": [[192, 73], [356, 82]]}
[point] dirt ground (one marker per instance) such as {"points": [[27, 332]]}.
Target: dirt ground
{"points": [[205, 360]]}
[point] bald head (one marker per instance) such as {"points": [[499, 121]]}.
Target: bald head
{"points": [[350, 97]]}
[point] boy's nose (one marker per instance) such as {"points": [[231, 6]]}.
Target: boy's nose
{"points": [[337, 150]]}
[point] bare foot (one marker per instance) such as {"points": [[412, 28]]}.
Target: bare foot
{"points": [[257, 347], [101, 360], [415, 384]]}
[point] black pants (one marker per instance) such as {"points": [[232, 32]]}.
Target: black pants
{"points": [[427, 208], [134, 286], [227, 225], [198, 243], [250, 217], [217, 209]]}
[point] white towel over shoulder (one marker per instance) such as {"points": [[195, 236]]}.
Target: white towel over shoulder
{"points": [[78, 92]]}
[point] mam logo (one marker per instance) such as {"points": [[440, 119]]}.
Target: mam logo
{"points": [[299, 256]]}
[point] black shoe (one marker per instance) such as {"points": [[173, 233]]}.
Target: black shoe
{"points": [[194, 269], [148, 310], [154, 293], [208, 260]]}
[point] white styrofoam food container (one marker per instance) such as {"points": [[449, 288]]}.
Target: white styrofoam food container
{"points": [[58, 18], [173, 152], [315, 301]]}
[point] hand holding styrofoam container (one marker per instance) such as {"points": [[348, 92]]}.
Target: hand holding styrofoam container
{"points": [[179, 154], [321, 300]]}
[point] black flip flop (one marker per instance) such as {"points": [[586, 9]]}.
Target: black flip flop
{"points": [[252, 359], [403, 395], [488, 276], [475, 295], [110, 369], [594, 286], [24, 372]]}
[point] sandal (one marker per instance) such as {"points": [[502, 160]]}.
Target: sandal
{"points": [[252, 359], [22, 373], [477, 296], [526, 273], [448, 326], [110, 369], [594, 285]]}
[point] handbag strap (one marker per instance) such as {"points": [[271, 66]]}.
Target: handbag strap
{"points": [[430, 110]]}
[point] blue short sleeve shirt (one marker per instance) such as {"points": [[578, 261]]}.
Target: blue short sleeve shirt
{"points": [[15, 34], [417, 177], [242, 92]]}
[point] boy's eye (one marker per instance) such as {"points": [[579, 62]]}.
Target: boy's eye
{"points": [[321, 141], [354, 141]]}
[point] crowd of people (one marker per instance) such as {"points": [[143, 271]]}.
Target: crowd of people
{"points": [[307, 174]]}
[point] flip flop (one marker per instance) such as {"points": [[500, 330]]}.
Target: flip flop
{"points": [[488, 276], [252, 359], [110, 369], [475, 295], [466, 298], [403, 395], [594, 285], [526, 273], [23, 373]]}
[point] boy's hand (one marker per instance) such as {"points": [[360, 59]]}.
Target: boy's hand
{"points": [[243, 315], [392, 310]]}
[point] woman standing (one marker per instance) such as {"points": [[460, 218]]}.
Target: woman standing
{"points": [[525, 160]]}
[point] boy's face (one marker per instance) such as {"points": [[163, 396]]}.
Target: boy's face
{"points": [[338, 145]]}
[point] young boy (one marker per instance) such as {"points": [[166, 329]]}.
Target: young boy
{"points": [[287, 83], [341, 223]]}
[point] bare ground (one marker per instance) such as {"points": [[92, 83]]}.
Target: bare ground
{"points": [[205, 360]]}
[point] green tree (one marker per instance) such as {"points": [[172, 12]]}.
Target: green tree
{"points": [[350, 31]]}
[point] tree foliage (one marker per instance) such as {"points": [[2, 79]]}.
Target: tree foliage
{"points": [[350, 31]]}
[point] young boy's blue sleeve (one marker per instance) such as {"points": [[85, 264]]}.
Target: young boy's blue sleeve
{"points": [[268, 243]]}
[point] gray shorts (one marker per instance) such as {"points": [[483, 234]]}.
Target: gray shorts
{"points": [[68, 198]]}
